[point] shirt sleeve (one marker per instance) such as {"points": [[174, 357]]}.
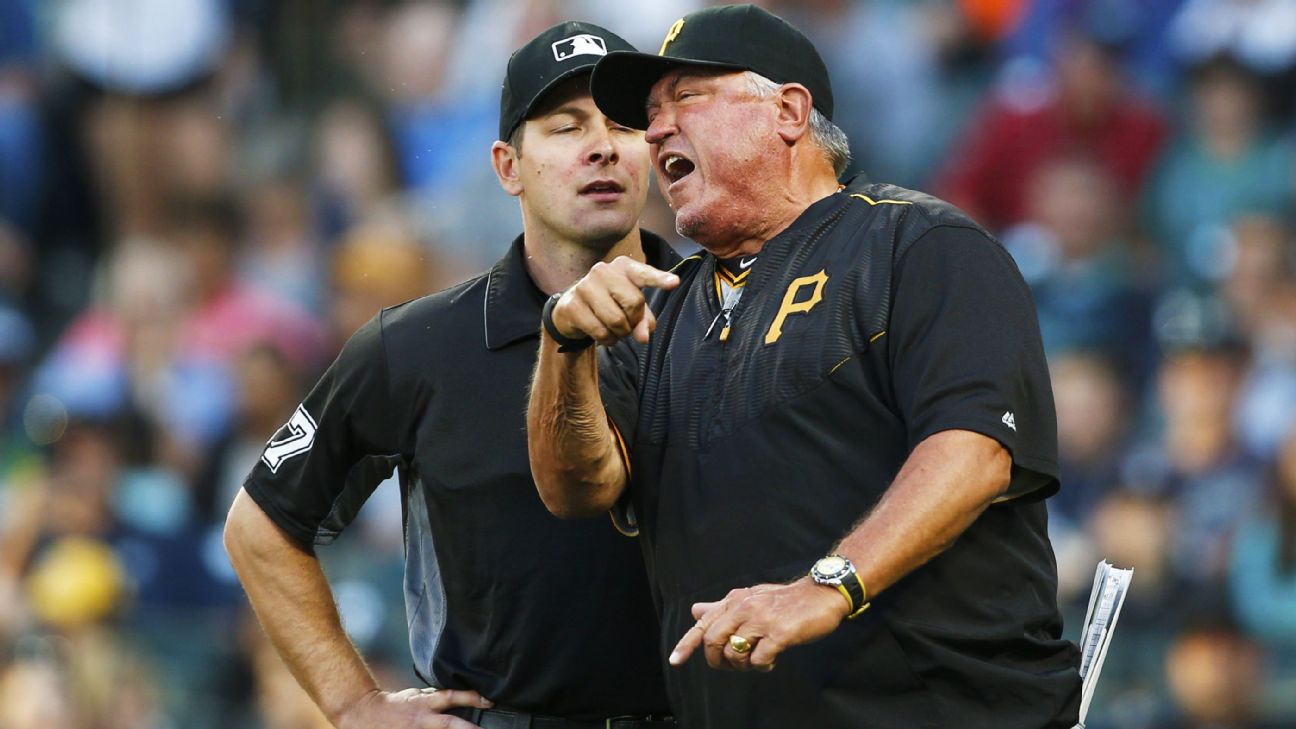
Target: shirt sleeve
{"points": [[619, 372], [966, 353], [321, 466], [618, 386]]}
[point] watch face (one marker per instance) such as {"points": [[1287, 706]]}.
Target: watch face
{"points": [[830, 566]]}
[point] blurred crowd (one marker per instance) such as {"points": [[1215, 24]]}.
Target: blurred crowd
{"points": [[200, 200]]}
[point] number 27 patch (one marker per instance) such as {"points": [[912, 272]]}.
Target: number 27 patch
{"points": [[293, 439]]}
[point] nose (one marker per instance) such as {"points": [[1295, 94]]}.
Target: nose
{"points": [[661, 126], [602, 149]]}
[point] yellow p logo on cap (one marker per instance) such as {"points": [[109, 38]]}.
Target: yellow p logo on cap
{"points": [[671, 35]]}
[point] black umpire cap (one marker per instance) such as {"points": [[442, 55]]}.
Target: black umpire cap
{"points": [[553, 56], [734, 37]]}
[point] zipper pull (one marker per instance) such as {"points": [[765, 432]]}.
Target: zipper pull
{"points": [[726, 313]]}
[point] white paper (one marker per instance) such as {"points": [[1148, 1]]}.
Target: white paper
{"points": [[1105, 601]]}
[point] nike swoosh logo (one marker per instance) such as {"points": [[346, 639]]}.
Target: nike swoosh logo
{"points": [[747, 263]]}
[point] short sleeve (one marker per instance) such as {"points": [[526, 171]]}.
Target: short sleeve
{"points": [[619, 386], [341, 442], [965, 352]]}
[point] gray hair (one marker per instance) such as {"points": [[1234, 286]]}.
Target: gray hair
{"points": [[827, 136]]}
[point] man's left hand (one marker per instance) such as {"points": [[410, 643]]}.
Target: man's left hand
{"points": [[771, 618]]}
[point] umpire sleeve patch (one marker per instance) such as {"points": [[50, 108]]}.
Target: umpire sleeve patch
{"points": [[293, 439]]}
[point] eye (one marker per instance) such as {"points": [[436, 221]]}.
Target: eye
{"points": [[564, 129]]}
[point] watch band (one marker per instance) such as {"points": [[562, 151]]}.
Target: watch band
{"points": [[853, 585], [846, 580], [566, 345]]}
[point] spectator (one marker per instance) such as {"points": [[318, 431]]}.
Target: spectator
{"points": [[1256, 32], [282, 255], [228, 317], [1261, 291], [1133, 529], [1260, 264], [1215, 675], [375, 267], [1263, 580], [34, 695], [112, 358], [1223, 164], [269, 387], [1089, 112], [355, 166], [917, 69], [1137, 28], [1212, 481], [21, 133], [1080, 267], [1093, 430]]}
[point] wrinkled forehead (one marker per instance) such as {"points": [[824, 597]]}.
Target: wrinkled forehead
{"points": [[666, 85]]}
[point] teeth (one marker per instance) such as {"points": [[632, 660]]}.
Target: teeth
{"points": [[671, 166]]}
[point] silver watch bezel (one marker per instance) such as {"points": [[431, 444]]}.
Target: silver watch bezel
{"points": [[834, 578]]}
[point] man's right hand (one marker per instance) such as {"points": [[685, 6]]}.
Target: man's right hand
{"points": [[410, 709], [608, 303]]}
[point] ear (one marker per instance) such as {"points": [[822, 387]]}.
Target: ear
{"points": [[504, 159], [794, 107]]}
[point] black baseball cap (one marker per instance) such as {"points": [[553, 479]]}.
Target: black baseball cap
{"points": [[553, 56], [735, 37]]}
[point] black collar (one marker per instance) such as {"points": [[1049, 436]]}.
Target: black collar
{"points": [[511, 310]]}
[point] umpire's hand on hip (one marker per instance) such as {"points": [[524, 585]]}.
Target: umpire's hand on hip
{"points": [[608, 303], [410, 709], [750, 627]]}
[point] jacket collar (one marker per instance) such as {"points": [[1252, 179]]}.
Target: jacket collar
{"points": [[511, 310]]}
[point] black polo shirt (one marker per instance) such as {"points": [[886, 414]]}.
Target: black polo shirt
{"points": [[537, 614], [880, 317]]}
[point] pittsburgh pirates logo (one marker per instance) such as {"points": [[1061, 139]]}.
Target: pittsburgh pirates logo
{"points": [[671, 35], [792, 306]]}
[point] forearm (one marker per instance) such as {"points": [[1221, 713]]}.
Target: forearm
{"points": [[944, 485], [575, 458], [291, 597]]}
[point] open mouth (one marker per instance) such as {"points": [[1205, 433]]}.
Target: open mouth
{"points": [[676, 167]]}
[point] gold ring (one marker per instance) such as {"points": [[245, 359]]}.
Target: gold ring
{"points": [[739, 644]]}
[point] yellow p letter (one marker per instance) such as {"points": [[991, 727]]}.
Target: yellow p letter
{"points": [[792, 306], [671, 35]]}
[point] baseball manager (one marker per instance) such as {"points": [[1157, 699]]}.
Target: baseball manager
{"points": [[833, 426]]}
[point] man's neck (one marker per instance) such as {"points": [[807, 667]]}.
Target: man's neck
{"points": [[555, 264], [791, 201]]}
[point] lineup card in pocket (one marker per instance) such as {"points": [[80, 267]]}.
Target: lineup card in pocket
{"points": [[1105, 601]]}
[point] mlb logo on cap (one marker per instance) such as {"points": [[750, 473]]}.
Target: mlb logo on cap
{"points": [[561, 52], [579, 45]]}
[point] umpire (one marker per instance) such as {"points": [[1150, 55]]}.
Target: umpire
{"points": [[838, 436], [550, 621]]}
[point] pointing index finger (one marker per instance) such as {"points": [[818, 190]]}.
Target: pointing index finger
{"points": [[689, 643], [643, 275]]}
